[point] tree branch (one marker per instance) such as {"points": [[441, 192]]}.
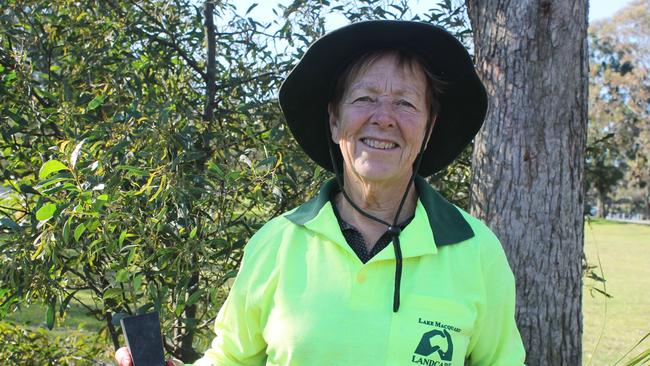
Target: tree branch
{"points": [[210, 38], [190, 61]]}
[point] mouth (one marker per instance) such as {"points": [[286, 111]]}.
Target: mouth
{"points": [[379, 144]]}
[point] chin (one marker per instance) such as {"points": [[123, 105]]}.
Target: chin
{"points": [[379, 174]]}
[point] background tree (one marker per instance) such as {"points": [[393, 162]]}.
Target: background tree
{"points": [[528, 160], [134, 176], [604, 167], [142, 145], [619, 102]]}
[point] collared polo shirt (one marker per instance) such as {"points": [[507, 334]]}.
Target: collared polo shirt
{"points": [[355, 239], [303, 297]]}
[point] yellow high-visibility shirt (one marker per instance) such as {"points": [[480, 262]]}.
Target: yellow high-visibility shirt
{"points": [[302, 296]]}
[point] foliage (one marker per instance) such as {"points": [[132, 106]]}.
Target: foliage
{"points": [[142, 146], [454, 181], [22, 346], [619, 107]]}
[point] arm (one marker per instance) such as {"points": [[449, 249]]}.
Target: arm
{"points": [[497, 341], [240, 323], [239, 335]]}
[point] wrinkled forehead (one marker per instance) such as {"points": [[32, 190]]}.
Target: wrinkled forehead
{"points": [[405, 65], [405, 61]]}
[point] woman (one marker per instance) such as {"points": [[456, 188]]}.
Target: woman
{"points": [[378, 269]]}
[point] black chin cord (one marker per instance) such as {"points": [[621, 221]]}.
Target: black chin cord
{"points": [[393, 229]]}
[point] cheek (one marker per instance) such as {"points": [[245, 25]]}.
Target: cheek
{"points": [[346, 128], [415, 137]]}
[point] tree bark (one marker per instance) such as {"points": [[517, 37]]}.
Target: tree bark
{"points": [[528, 161], [186, 351], [601, 201]]}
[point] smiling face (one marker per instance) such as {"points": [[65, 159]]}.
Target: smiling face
{"points": [[381, 120]]}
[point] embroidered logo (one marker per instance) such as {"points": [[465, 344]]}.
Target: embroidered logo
{"points": [[425, 347], [436, 347]]}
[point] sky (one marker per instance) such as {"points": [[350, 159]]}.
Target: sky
{"points": [[598, 9]]}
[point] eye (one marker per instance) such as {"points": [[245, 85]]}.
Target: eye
{"points": [[405, 103], [363, 98]]}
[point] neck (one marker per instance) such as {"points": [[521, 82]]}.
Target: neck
{"points": [[379, 199]]}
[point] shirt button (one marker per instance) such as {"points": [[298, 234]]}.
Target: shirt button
{"points": [[361, 277]]}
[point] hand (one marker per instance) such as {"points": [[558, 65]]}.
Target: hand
{"points": [[123, 358]]}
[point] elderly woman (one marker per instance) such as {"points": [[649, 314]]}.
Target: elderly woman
{"points": [[378, 269]]}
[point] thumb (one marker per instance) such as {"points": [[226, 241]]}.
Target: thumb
{"points": [[123, 357]]}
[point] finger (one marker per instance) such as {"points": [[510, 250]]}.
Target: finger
{"points": [[123, 357]]}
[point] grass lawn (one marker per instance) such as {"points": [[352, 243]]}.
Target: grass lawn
{"points": [[612, 326], [76, 319]]}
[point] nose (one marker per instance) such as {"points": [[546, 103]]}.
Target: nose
{"points": [[383, 114]]}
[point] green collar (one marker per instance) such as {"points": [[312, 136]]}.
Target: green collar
{"points": [[447, 223]]}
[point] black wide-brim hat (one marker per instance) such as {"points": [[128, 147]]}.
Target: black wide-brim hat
{"points": [[307, 90]]}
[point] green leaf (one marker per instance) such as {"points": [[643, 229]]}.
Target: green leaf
{"points": [[50, 314], [8, 223], [10, 76], [122, 275], [112, 293], [75, 153], [78, 231], [193, 233], [147, 185], [65, 302], [46, 212], [66, 230], [250, 8], [194, 297], [178, 310], [216, 169], [122, 237], [26, 189], [50, 167], [137, 282], [160, 188], [132, 170], [96, 102]]}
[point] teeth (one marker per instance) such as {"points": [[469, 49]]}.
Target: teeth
{"points": [[379, 144]]}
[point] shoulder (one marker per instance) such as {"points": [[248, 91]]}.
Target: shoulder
{"points": [[482, 240], [492, 256], [282, 229], [268, 237], [481, 231]]}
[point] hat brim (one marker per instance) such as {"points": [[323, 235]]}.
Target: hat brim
{"points": [[305, 93]]}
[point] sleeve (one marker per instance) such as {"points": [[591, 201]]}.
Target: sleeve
{"points": [[497, 341], [240, 322]]}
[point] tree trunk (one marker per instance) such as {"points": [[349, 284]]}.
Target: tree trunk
{"points": [[646, 201], [601, 202], [528, 161], [187, 352]]}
